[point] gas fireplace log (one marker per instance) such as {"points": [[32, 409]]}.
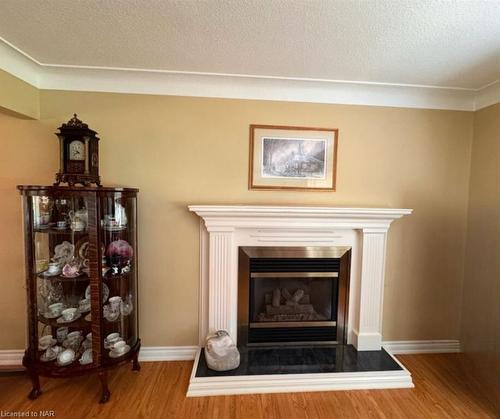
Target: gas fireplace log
{"points": [[276, 297], [289, 309]]}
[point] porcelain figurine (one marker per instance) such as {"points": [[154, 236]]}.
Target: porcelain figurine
{"points": [[221, 353]]}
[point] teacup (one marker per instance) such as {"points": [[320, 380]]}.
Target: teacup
{"points": [[115, 301], [46, 342], [50, 353], [77, 225], [86, 357], [62, 224], [56, 308], [110, 221], [53, 268], [119, 347], [112, 337], [61, 333], [69, 314], [74, 335], [84, 305]]}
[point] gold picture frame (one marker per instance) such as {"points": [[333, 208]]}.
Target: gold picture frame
{"points": [[292, 158]]}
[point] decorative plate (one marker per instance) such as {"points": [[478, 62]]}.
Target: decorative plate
{"points": [[105, 292], [63, 253], [66, 357]]}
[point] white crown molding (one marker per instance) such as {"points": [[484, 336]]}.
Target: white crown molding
{"points": [[487, 96], [17, 63], [237, 86]]}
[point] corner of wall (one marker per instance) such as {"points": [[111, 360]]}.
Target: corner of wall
{"points": [[18, 98]]}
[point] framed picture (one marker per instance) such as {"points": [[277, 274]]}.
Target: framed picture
{"points": [[296, 158]]}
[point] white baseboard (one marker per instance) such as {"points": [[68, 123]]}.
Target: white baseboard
{"points": [[13, 357], [167, 353], [421, 346]]}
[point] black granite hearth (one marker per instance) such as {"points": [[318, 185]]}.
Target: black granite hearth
{"points": [[303, 360]]}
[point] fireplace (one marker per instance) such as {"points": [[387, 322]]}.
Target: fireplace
{"points": [[276, 244], [292, 295]]}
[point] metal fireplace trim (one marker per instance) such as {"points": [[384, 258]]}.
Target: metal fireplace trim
{"points": [[341, 253]]}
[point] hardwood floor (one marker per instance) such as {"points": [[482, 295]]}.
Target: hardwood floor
{"points": [[158, 391]]}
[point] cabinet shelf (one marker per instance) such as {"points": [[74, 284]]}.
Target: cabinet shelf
{"points": [[78, 323], [61, 232], [83, 277]]}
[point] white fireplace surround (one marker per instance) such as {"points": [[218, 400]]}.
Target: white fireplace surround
{"points": [[224, 228]]}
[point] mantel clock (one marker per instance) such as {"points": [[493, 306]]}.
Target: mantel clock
{"points": [[79, 154]]}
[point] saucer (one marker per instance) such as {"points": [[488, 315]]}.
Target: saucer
{"points": [[113, 354], [49, 274], [44, 347], [72, 276], [50, 315], [61, 319], [115, 228], [45, 358], [66, 357]]}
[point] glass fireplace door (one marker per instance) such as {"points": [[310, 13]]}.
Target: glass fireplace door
{"points": [[293, 299]]}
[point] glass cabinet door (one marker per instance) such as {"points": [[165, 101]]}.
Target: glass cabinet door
{"points": [[60, 228], [119, 273]]}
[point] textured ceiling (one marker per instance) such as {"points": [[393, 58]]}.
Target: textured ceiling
{"points": [[425, 42]]}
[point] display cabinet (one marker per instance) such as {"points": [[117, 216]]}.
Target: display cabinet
{"points": [[81, 281]]}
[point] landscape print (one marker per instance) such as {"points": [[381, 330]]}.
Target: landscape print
{"points": [[293, 158]]}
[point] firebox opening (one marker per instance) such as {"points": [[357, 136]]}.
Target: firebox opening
{"points": [[292, 295]]}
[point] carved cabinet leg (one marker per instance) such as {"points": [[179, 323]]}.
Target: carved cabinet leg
{"points": [[35, 391], [103, 376], [135, 363]]}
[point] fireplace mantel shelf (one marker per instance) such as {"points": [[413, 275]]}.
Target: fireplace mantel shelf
{"points": [[228, 217]]}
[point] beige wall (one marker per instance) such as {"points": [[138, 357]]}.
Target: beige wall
{"points": [[481, 303], [18, 97], [182, 151]]}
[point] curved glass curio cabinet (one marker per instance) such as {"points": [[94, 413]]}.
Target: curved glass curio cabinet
{"points": [[81, 277]]}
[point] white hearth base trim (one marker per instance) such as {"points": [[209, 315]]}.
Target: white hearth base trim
{"points": [[287, 383], [422, 346]]}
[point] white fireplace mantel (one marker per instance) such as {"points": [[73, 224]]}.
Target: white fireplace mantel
{"points": [[224, 228]]}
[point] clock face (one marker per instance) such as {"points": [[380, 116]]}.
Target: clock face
{"points": [[76, 150]]}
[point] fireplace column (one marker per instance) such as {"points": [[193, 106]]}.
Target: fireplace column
{"points": [[222, 294], [368, 336]]}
